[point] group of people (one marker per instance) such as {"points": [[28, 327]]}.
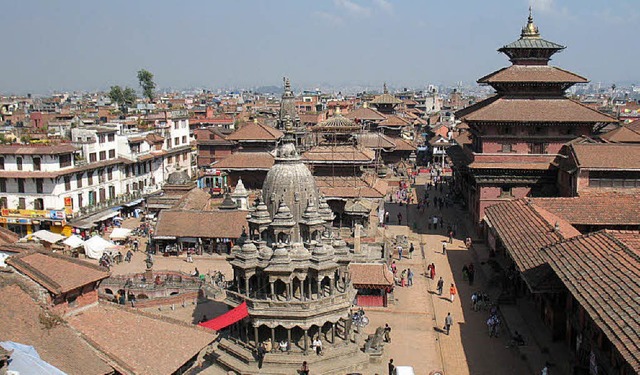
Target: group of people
{"points": [[468, 273], [405, 278]]}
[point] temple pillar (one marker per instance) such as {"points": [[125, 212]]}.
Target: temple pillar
{"points": [[306, 344], [272, 288], [289, 290], [333, 333], [255, 335], [320, 291], [246, 333], [331, 281], [310, 294], [273, 339], [246, 285], [288, 340], [303, 297]]}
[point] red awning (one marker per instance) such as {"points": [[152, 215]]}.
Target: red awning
{"points": [[225, 320]]}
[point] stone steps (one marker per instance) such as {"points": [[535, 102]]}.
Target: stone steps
{"points": [[336, 360]]}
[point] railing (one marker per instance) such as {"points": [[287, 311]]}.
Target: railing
{"points": [[114, 202], [293, 304]]}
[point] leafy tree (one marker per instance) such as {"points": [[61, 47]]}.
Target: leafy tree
{"points": [[123, 98], [145, 78]]}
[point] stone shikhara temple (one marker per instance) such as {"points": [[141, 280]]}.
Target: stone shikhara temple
{"points": [[292, 272]]}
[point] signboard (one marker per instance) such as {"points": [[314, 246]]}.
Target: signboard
{"points": [[49, 214]]}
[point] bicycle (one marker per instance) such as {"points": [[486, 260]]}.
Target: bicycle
{"points": [[359, 319]]}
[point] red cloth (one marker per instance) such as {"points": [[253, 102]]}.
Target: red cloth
{"points": [[234, 315]]}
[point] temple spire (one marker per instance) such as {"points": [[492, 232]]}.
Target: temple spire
{"points": [[530, 31]]}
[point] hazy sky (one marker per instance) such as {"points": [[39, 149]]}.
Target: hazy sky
{"points": [[89, 45]]}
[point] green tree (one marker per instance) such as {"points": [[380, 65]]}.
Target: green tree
{"points": [[123, 98], [145, 78]]}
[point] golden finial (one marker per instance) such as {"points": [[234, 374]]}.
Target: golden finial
{"points": [[384, 88], [530, 31]]}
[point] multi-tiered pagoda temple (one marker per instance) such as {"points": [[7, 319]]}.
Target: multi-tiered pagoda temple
{"points": [[517, 133]]}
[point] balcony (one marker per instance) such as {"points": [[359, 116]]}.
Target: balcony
{"points": [[109, 203]]}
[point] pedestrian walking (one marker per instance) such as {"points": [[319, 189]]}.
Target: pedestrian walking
{"points": [[403, 278], [410, 277], [399, 252], [448, 322], [411, 249], [399, 218], [304, 369], [452, 292], [440, 286], [451, 236], [387, 333], [444, 247], [433, 271], [391, 367], [474, 301]]}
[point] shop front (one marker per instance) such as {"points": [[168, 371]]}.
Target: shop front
{"points": [[25, 222]]}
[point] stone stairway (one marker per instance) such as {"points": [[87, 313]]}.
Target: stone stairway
{"points": [[336, 360]]}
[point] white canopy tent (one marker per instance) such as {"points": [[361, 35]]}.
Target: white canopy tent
{"points": [[45, 235], [95, 246], [73, 241], [120, 234]]}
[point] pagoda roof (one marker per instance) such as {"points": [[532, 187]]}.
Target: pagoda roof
{"points": [[531, 110], [256, 131], [529, 43], [532, 73], [332, 154], [365, 113], [394, 121], [386, 98], [247, 161]]}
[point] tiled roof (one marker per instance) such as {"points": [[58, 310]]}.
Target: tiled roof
{"points": [[532, 73], [394, 121], [332, 154], [247, 161], [57, 273], [528, 43], [601, 270], [386, 98], [7, 236], [607, 155], [403, 144], [37, 150], [256, 131], [205, 224], [595, 208], [195, 199], [375, 141], [60, 346], [524, 229], [622, 134], [367, 114], [363, 274], [367, 186], [140, 343], [501, 109]]}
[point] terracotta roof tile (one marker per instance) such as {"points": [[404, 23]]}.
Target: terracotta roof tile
{"points": [[601, 270], [375, 141], [158, 345], [333, 154], [607, 155], [499, 109], [246, 161], [595, 208], [59, 346], [623, 134], [37, 150], [394, 121], [532, 73], [205, 224], [524, 229], [363, 274], [367, 114], [256, 131], [367, 186], [57, 273]]}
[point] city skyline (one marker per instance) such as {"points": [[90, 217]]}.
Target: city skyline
{"points": [[341, 42]]}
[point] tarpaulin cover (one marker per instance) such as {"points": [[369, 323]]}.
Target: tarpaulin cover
{"points": [[225, 320], [25, 360]]}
